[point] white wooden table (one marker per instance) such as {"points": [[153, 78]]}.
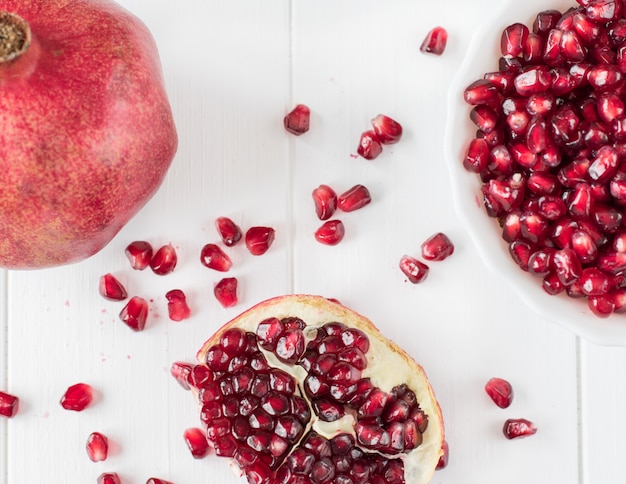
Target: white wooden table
{"points": [[233, 69]]}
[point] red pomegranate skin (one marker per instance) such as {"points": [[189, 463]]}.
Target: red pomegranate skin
{"points": [[86, 130]]}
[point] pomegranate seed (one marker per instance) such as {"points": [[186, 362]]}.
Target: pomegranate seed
{"points": [[477, 156], [164, 261], [533, 48], [177, 307], [182, 373], [437, 247], [481, 92], [513, 39], [297, 121], [259, 239], [518, 428], [154, 480], [572, 47], [500, 391], [139, 254], [330, 233], [229, 231], [413, 269], [369, 145], [325, 200], [226, 292], [196, 442], [77, 397], [484, 117], [534, 80], [540, 262], [112, 289], [353, 199], [584, 246], [521, 251], [97, 447], [109, 478], [594, 282], [213, 257], [604, 77], [604, 165], [603, 10], [553, 285], [602, 305], [567, 266], [435, 41], [387, 130], [445, 453], [135, 313], [9, 405]]}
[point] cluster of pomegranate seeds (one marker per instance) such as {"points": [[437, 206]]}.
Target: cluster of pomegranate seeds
{"points": [[112, 289], [297, 120], [97, 447], [435, 41], [135, 313], [225, 292], [177, 307], [196, 442], [515, 428], [213, 257], [229, 231], [164, 260], [550, 150], [9, 405], [77, 397], [384, 131], [109, 478], [436, 248], [330, 232], [500, 391], [259, 239], [139, 254]]}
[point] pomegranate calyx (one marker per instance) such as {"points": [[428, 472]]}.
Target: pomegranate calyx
{"points": [[15, 36]]}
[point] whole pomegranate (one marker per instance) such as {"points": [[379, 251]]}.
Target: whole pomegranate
{"points": [[300, 389], [86, 130]]}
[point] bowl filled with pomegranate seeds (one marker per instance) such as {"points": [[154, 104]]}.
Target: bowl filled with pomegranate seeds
{"points": [[536, 144]]}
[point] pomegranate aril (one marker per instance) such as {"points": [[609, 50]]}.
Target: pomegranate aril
{"points": [[552, 48], [571, 47], [353, 199], [481, 92], [325, 200], [297, 120], [415, 270], [602, 305], [229, 231], [603, 10], [135, 313], [387, 130], [533, 80], [484, 117], [109, 478], [77, 397], [225, 292], [612, 262], [567, 266], [164, 260], [584, 246], [9, 405], [213, 257], [97, 447], [177, 307], [437, 247], [259, 239], [445, 454], [435, 41], [330, 232], [196, 442], [500, 391], [540, 262], [139, 254], [111, 288], [154, 480], [369, 145], [605, 78], [553, 285], [521, 251], [290, 346], [513, 39], [518, 428], [477, 156]]}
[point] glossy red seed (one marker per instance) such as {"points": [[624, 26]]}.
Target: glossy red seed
{"points": [[196, 442], [229, 231], [154, 480], [552, 284], [353, 199], [164, 260], [480, 92], [177, 307], [182, 372], [139, 254], [415, 270], [225, 292], [534, 80], [97, 447], [500, 391], [325, 200], [9, 405], [602, 306], [477, 156], [388, 131], [259, 239], [521, 251], [297, 120], [603, 10], [445, 454], [369, 145], [110, 288], [518, 428], [213, 257], [331, 232], [540, 262], [437, 247], [77, 397], [567, 266], [513, 39], [135, 313], [435, 41], [584, 246], [109, 478]]}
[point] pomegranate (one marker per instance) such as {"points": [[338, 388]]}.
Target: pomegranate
{"points": [[77, 397], [298, 389], [97, 447], [78, 170]]}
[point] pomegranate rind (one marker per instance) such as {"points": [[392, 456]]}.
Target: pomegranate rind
{"points": [[398, 368]]}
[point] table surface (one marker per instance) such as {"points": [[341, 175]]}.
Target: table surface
{"points": [[233, 69]]}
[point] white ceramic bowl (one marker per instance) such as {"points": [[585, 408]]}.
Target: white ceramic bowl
{"points": [[482, 56]]}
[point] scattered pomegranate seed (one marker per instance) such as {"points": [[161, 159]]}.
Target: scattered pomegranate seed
{"points": [[500, 391], [443, 460], [297, 121], [77, 397], [135, 313], [139, 254], [516, 428], [413, 269], [325, 200], [331, 232], [9, 405], [369, 145], [164, 261], [197, 442], [437, 247], [177, 307], [259, 239], [387, 130], [109, 478], [111, 288], [229, 231], [435, 41], [356, 197], [213, 257], [154, 480], [226, 292], [97, 447]]}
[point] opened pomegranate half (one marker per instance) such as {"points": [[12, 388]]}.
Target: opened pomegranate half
{"points": [[300, 389]]}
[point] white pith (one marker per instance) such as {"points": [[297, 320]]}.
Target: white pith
{"points": [[387, 366]]}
